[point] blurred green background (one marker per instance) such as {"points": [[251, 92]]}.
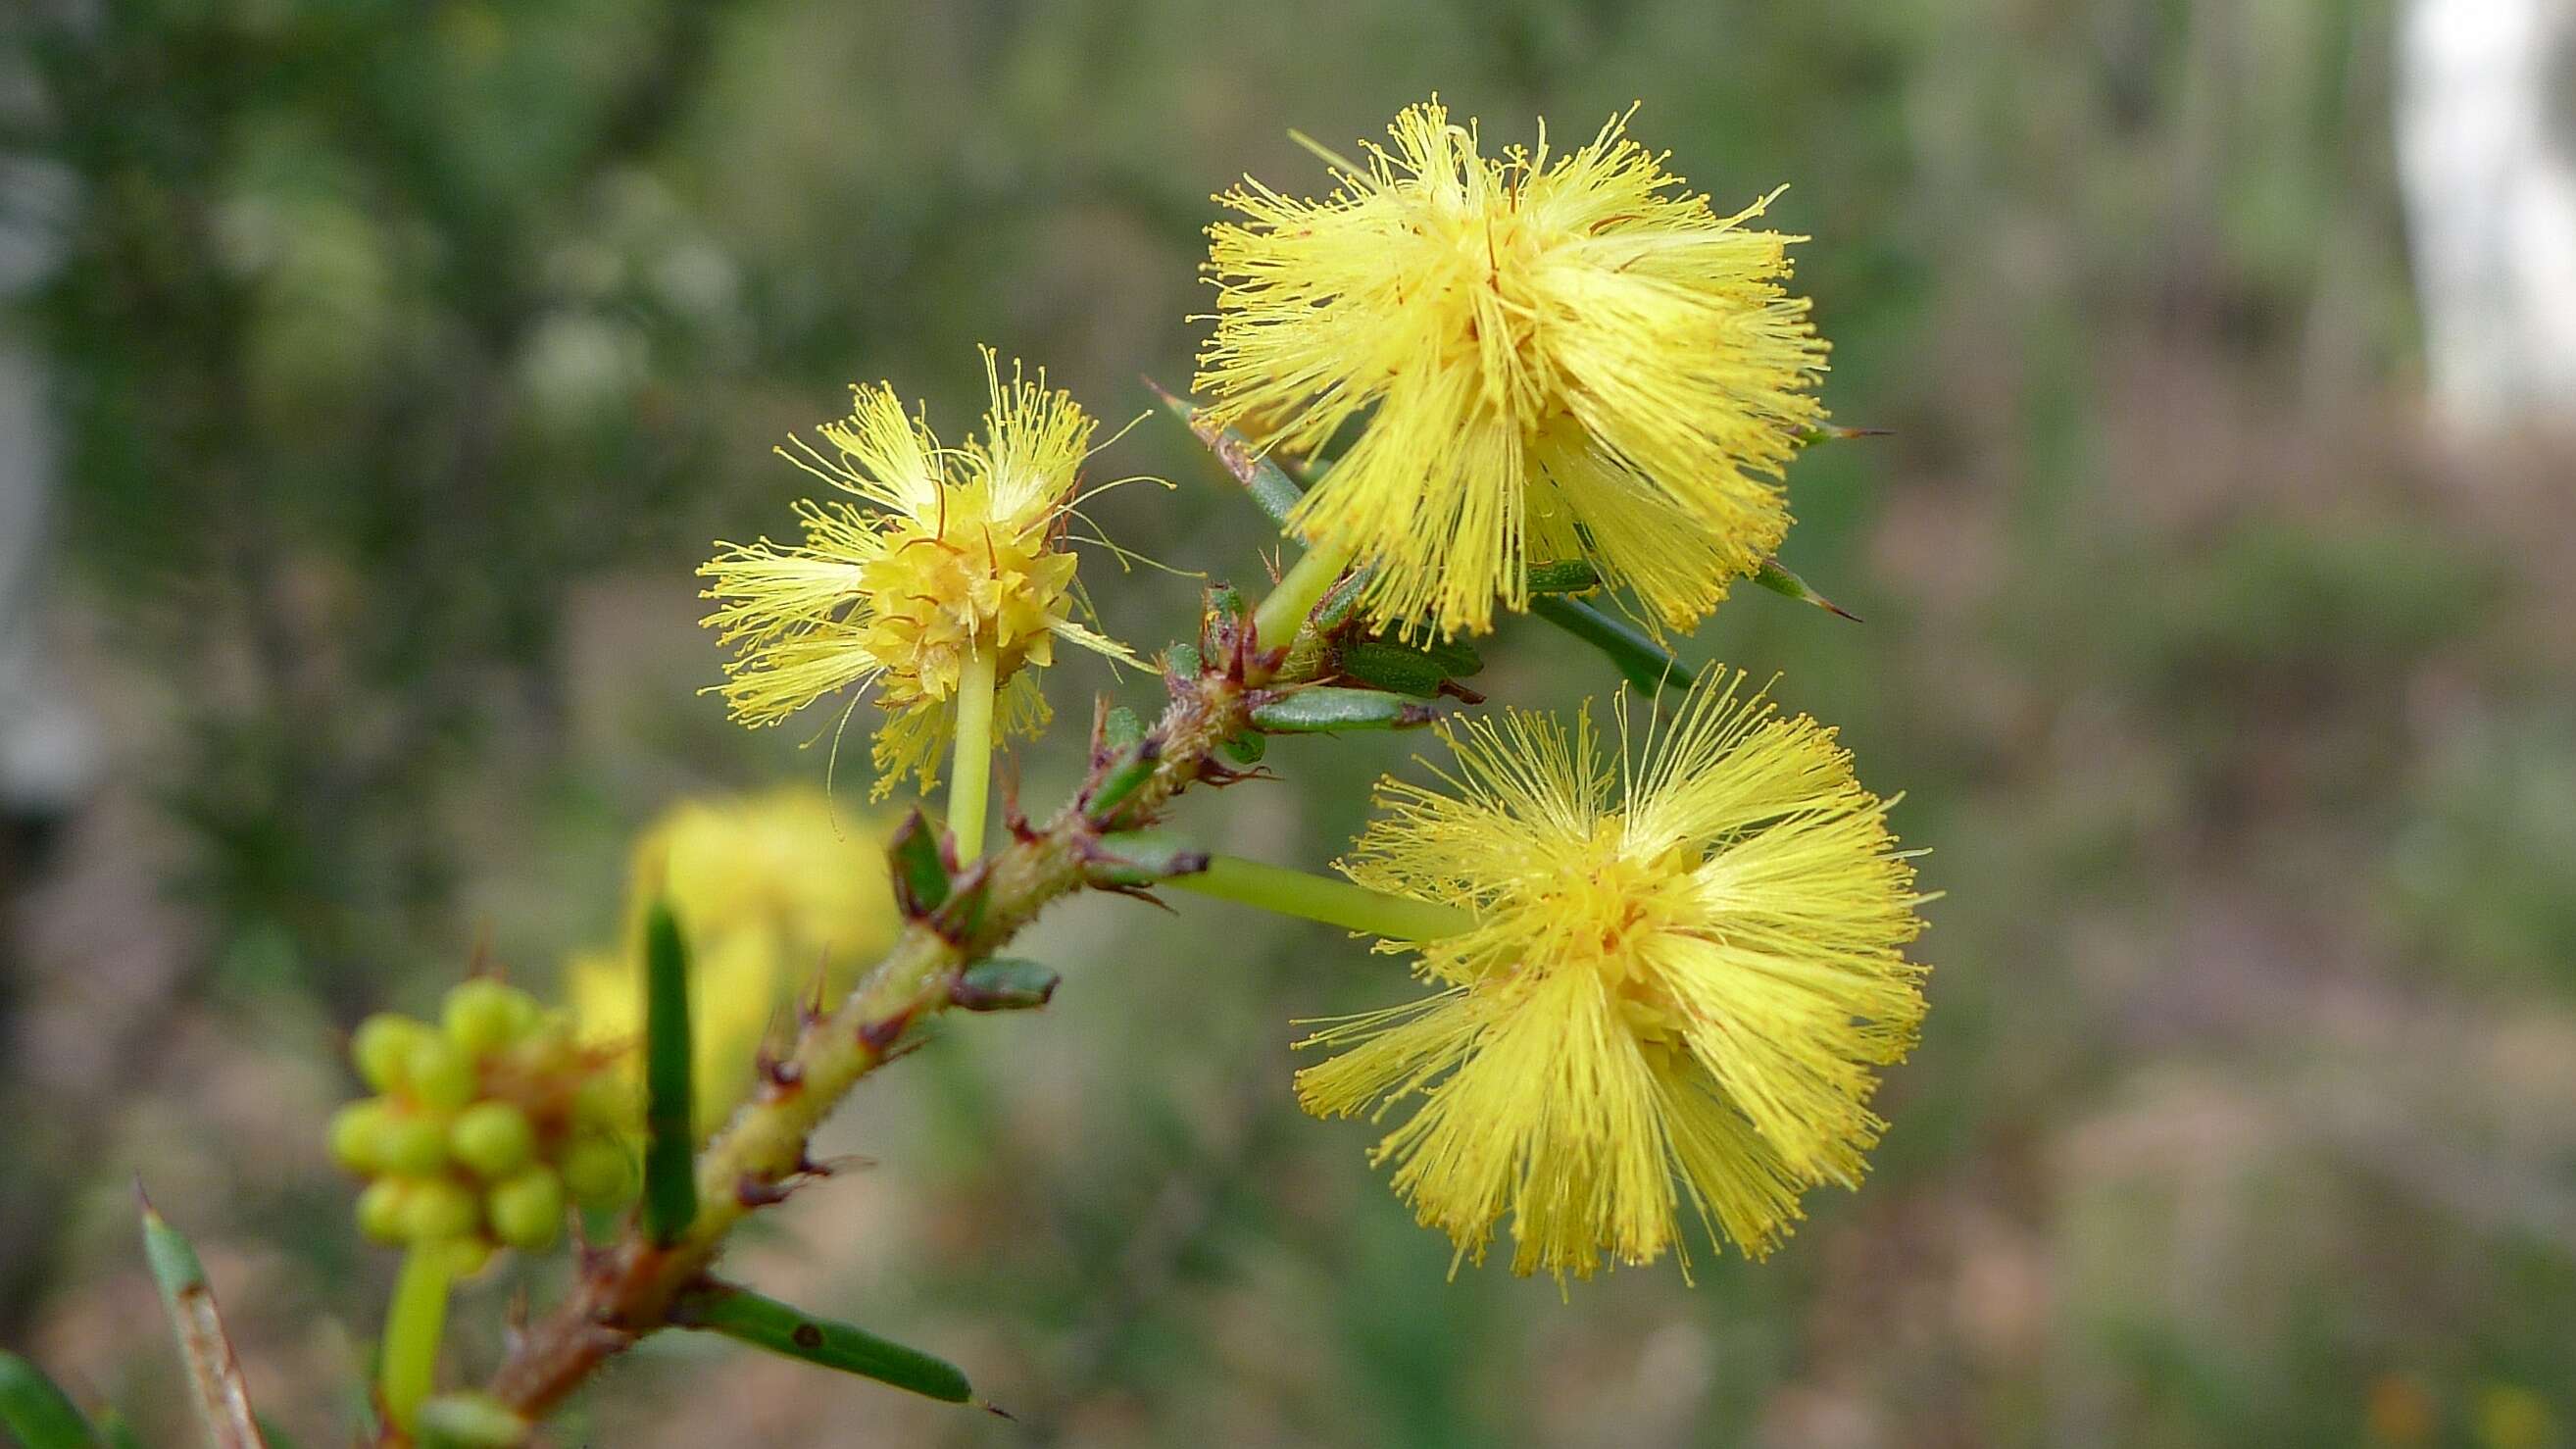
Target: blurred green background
{"points": [[403, 357]]}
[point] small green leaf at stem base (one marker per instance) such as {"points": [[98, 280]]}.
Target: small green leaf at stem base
{"points": [[37, 1411], [1004, 983], [670, 1181], [1647, 665], [921, 879], [766, 1323], [1564, 576], [1324, 709], [1141, 857]]}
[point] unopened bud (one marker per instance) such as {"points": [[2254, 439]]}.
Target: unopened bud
{"points": [[483, 1015], [437, 1209], [380, 1210], [357, 1134], [412, 1144], [600, 1172], [527, 1211], [440, 1075], [494, 1139], [381, 1049]]}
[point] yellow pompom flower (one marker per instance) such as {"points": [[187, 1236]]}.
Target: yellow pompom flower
{"points": [[945, 587], [1677, 997], [771, 890], [1567, 358]]}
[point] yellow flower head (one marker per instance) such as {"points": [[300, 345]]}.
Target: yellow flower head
{"points": [[960, 550], [1679, 996], [1567, 357], [770, 890]]}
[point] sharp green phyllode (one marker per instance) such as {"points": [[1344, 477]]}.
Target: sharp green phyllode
{"points": [[670, 1181], [214, 1377], [1647, 665], [739, 1313], [921, 880], [1326, 708], [1004, 983], [1269, 485], [1788, 585]]}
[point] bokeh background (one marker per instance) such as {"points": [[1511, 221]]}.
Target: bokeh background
{"points": [[379, 370]]}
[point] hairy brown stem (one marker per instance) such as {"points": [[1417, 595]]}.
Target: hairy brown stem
{"points": [[626, 1288]]}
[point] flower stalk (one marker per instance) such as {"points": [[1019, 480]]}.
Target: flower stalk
{"points": [[1297, 594], [974, 761]]}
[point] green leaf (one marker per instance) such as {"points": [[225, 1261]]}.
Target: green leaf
{"points": [[766, 1323], [37, 1411], [1828, 433], [1121, 777], [921, 880], [1325, 709], [1780, 581], [1640, 660], [1389, 665], [1269, 485], [670, 1177], [1004, 983], [214, 1376], [1121, 728], [117, 1432], [1565, 576], [1246, 748], [1142, 857]]}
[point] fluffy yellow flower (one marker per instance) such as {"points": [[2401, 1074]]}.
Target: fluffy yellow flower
{"points": [[961, 552], [1679, 996], [770, 889], [1567, 358]]}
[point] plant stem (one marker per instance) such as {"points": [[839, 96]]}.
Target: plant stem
{"points": [[974, 763], [627, 1287], [414, 1323], [1277, 620], [1322, 898]]}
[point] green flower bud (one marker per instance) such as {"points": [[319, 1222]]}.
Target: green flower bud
{"points": [[606, 1103], [600, 1172], [493, 1139], [380, 1209], [381, 1048], [412, 1144], [441, 1076], [469, 1255], [357, 1134], [484, 1015], [527, 1211], [437, 1209]]}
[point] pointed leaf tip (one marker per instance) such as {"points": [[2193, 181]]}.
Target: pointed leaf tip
{"points": [[1780, 581], [214, 1375], [1269, 484]]}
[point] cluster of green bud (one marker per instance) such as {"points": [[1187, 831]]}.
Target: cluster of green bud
{"points": [[487, 1125]]}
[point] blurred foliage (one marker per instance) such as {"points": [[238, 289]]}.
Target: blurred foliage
{"points": [[408, 355]]}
